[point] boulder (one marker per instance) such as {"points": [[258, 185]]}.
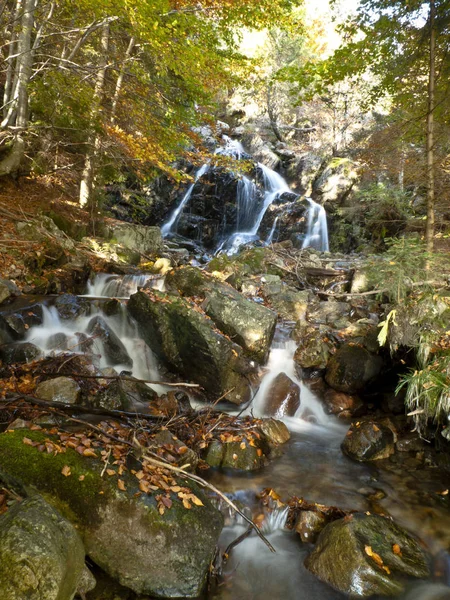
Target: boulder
{"points": [[283, 397], [309, 524], [19, 352], [41, 554], [335, 181], [314, 347], [290, 303], [368, 440], [113, 348], [352, 368], [249, 324], [70, 306], [8, 290], [188, 342], [364, 555], [260, 151], [60, 389], [157, 553], [338, 403], [140, 238], [17, 322], [275, 432], [231, 455]]}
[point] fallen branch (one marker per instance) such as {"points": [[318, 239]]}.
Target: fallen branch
{"points": [[117, 378], [234, 543]]}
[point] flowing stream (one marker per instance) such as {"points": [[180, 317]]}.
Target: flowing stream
{"points": [[312, 465]]}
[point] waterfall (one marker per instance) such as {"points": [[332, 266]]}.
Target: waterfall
{"points": [[274, 185], [231, 148], [317, 231], [272, 232], [120, 286], [246, 202], [166, 229]]}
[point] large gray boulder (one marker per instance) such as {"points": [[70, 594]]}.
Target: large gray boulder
{"points": [[143, 239], [19, 352], [41, 554], [368, 440], [335, 181], [59, 389], [157, 552], [249, 324], [8, 289], [364, 555], [187, 341], [113, 347]]}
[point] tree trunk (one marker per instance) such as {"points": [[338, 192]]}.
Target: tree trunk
{"points": [[120, 80], [94, 142], [17, 116], [429, 233]]}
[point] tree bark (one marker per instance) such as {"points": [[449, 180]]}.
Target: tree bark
{"points": [[429, 232], [120, 80], [17, 116], [94, 142]]}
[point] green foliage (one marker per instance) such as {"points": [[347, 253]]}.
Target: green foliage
{"points": [[383, 210], [384, 327], [404, 264], [428, 392]]}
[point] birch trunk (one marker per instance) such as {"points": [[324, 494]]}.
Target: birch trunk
{"points": [[94, 142], [120, 80]]}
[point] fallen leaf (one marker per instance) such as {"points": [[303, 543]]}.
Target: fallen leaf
{"points": [[110, 472], [242, 446], [396, 550], [235, 456], [375, 428], [368, 550], [121, 485], [66, 471], [81, 477], [186, 503], [196, 500], [259, 452]]}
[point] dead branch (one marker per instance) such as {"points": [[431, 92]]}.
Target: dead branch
{"points": [[118, 378]]}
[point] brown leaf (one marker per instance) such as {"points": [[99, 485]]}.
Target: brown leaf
{"points": [[259, 452], [396, 549], [66, 471], [89, 452], [375, 428], [368, 550], [235, 456], [81, 477], [144, 486], [110, 472], [196, 500], [186, 503], [28, 442], [121, 485], [242, 446]]}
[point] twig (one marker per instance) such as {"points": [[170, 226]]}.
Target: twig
{"points": [[234, 543]]}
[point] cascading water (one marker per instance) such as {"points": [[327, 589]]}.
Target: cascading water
{"points": [[167, 228], [317, 230], [120, 286], [272, 232]]}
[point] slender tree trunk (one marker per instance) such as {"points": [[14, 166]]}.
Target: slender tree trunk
{"points": [[19, 100], [429, 234], [94, 141], [272, 112], [120, 80]]}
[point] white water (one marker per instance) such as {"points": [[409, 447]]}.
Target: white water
{"points": [[272, 232], [232, 148], [317, 230], [121, 287], [172, 221]]}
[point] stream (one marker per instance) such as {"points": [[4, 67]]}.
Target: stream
{"points": [[311, 466]]}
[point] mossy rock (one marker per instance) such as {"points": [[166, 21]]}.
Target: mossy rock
{"points": [[366, 555], [188, 341], [124, 533], [41, 554], [352, 368]]}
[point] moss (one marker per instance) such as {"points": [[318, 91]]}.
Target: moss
{"points": [[79, 501]]}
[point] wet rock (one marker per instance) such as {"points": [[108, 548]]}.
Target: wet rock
{"points": [[19, 352], [275, 432], [41, 554], [283, 397], [302, 172], [352, 368], [70, 306], [111, 307], [338, 402], [164, 555], [58, 341], [314, 347], [364, 555], [394, 403], [428, 591], [17, 323], [411, 442], [60, 389], [188, 342], [368, 440], [309, 524], [260, 151], [8, 290], [113, 348], [231, 455]]}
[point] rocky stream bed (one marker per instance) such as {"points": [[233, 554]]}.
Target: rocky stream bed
{"points": [[182, 425]]}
